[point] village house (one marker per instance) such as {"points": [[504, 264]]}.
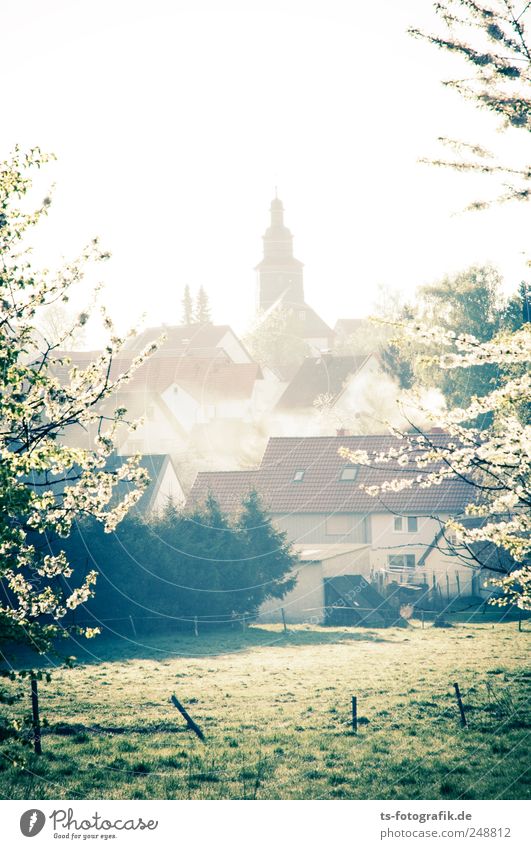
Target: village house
{"points": [[164, 486], [330, 392], [195, 340], [196, 403], [341, 531]]}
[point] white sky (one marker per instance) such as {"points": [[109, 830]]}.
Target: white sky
{"points": [[173, 120]]}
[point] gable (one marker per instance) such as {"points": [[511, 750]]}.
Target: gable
{"points": [[324, 375]]}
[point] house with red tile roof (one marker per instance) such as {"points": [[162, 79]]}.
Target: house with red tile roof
{"points": [[190, 339], [320, 500], [197, 404]]}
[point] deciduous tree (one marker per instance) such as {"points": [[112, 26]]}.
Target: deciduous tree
{"points": [[45, 486], [495, 461], [490, 37]]}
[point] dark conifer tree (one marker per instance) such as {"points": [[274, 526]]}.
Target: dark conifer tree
{"points": [[202, 308], [187, 307]]}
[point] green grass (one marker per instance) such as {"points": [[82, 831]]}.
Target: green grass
{"points": [[276, 714]]}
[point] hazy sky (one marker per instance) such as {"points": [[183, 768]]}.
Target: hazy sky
{"points": [[173, 121]]}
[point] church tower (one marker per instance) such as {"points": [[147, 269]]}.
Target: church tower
{"points": [[279, 273]]}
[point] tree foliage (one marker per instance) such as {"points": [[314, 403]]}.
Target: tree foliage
{"points": [[36, 410], [202, 313], [176, 567], [187, 307], [495, 460], [492, 40], [274, 342], [470, 302]]}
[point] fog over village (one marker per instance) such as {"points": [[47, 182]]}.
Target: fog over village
{"points": [[265, 432]]}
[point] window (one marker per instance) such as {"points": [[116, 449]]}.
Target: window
{"points": [[400, 561], [349, 473], [302, 315], [405, 523], [340, 523], [299, 475]]}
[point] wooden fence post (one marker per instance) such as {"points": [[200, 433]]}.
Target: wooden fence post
{"points": [[354, 714], [196, 629], [189, 721], [284, 620], [447, 587], [133, 626], [460, 703], [458, 580], [422, 617], [35, 713]]}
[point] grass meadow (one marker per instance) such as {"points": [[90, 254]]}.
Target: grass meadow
{"points": [[275, 711]]}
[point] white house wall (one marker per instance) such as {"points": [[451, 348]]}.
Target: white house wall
{"points": [[318, 344], [229, 409], [305, 603], [312, 528], [156, 435], [183, 406], [234, 349], [351, 563], [454, 575], [169, 488], [385, 540]]}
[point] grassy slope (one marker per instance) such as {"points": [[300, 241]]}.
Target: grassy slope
{"points": [[275, 711]]}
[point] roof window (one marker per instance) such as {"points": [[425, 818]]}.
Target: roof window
{"points": [[299, 475], [348, 473]]}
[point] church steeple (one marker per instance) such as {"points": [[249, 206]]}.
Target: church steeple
{"points": [[279, 273]]}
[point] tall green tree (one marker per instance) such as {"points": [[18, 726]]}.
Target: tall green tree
{"points": [[179, 566], [187, 307], [270, 556], [202, 308], [469, 302]]}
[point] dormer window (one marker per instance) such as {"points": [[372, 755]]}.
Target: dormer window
{"points": [[299, 475], [348, 473]]}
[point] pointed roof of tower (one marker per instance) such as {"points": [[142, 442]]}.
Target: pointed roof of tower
{"points": [[278, 240]]}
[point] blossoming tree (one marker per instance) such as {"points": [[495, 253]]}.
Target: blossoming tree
{"points": [[491, 38], [495, 461], [45, 484]]}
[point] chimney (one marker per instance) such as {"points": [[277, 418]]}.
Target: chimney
{"points": [[343, 431]]}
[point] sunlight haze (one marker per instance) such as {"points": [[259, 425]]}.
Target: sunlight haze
{"points": [[174, 121]]}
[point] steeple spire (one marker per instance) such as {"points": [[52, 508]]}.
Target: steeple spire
{"points": [[277, 215], [280, 274]]}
